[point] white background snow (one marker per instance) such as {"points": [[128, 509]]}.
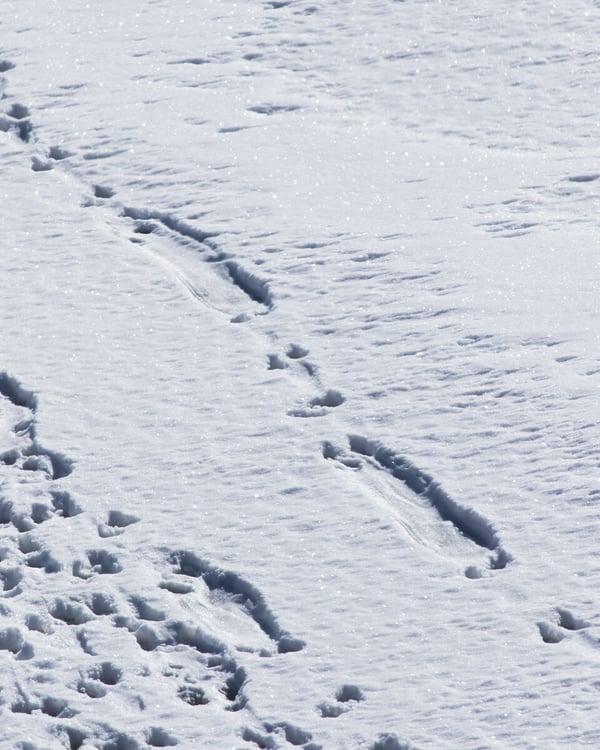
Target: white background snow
{"points": [[299, 370]]}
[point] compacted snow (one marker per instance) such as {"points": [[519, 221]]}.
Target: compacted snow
{"points": [[299, 371]]}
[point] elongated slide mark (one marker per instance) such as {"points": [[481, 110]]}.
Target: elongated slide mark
{"points": [[250, 598], [466, 521], [250, 284], [257, 289]]}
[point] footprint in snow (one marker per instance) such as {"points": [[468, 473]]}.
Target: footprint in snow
{"points": [[88, 605], [319, 406], [555, 632], [347, 696]]}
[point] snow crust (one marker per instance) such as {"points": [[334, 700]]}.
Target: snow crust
{"points": [[299, 370]]}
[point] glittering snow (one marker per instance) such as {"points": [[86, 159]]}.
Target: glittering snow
{"points": [[299, 370]]}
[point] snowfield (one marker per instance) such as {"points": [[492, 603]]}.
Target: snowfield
{"points": [[299, 371]]}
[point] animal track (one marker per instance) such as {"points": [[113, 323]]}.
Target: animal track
{"points": [[330, 399], [56, 707], [205, 651], [275, 362], [55, 153], [70, 612], [104, 192], [28, 464], [550, 633], [11, 640], [91, 688], [39, 624], [390, 742], [467, 522], [40, 165], [292, 734], [318, 406], [101, 604], [178, 226], [98, 561], [204, 667], [250, 284], [116, 524], [64, 505], [177, 633], [192, 695], [58, 153], [349, 693], [260, 740], [569, 621], [555, 632], [17, 120], [14, 392], [149, 222], [158, 737], [11, 577], [27, 454], [44, 560], [243, 593], [105, 673], [330, 710], [146, 611], [294, 351], [18, 111], [346, 694]]}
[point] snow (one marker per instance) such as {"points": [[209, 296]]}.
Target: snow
{"points": [[299, 375]]}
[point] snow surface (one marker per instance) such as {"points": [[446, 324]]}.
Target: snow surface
{"points": [[300, 358]]}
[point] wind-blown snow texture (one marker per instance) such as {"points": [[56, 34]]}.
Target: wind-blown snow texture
{"points": [[299, 370]]}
